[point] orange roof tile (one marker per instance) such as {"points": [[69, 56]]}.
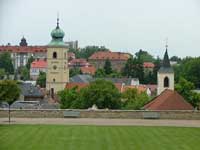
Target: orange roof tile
{"points": [[148, 65], [88, 70], [169, 100], [39, 64], [19, 49], [103, 55]]}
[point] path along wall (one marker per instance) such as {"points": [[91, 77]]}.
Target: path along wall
{"points": [[58, 113]]}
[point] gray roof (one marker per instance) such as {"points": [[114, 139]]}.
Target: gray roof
{"points": [[166, 67], [166, 70], [89, 78], [28, 90], [81, 79], [126, 81]]}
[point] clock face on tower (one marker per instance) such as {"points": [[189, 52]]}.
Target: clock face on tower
{"points": [[54, 67]]}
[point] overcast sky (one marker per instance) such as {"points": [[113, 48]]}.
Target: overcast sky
{"points": [[120, 25]]}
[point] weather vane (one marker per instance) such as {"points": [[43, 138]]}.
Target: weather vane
{"points": [[57, 19], [166, 43]]}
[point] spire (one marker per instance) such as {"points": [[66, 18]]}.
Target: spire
{"points": [[57, 27], [166, 62]]}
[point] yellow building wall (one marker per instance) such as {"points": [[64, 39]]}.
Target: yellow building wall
{"points": [[57, 69]]}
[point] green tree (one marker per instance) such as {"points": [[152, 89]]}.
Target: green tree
{"points": [[41, 80], [157, 66], [24, 73], [9, 92], [74, 71], [189, 69], [144, 56], [30, 60], [108, 67], [2, 73], [68, 97], [100, 73], [134, 68], [132, 99], [175, 58], [102, 93], [185, 88], [6, 63], [87, 51]]}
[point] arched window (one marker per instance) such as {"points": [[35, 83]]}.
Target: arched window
{"points": [[54, 55], [166, 82], [54, 80]]}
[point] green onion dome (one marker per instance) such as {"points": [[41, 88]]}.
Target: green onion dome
{"points": [[57, 35]]}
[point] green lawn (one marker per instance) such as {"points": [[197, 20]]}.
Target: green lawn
{"points": [[60, 137]]}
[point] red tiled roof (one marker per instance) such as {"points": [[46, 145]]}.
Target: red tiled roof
{"points": [[103, 55], [76, 84], [79, 62], [152, 87], [25, 49], [118, 86], [148, 65], [168, 100], [88, 70], [39, 64]]}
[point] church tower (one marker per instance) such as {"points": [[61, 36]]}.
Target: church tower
{"points": [[165, 75], [57, 63]]}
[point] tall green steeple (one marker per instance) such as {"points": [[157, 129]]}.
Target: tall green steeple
{"points": [[57, 35]]}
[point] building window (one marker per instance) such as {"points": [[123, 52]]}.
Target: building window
{"points": [[54, 55], [54, 80], [166, 82]]}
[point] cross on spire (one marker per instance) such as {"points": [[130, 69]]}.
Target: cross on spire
{"points": [[57, 20]]}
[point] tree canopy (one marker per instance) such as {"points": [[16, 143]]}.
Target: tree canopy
{"points": [[134, 68], [100, 92], [6, 63], [108, 67], [41, 80], [185, 88], [189, 69], [144, 56], [133, 99], [87, 51], [9, 91]]}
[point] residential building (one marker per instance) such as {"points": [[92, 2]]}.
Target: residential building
{"points": [[21, 54], [88, 70], [148, 67], [72, 44], [117, 59], [71, 56], [37, 66], [30, 92], [77, 63], [57, 62]]}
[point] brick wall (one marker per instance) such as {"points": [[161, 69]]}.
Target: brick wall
{"points": [[58, 113]]}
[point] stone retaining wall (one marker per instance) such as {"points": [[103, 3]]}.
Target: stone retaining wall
{"points": [[131, 114]]}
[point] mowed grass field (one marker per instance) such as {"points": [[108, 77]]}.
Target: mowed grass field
{"points": [[60, 137]]}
